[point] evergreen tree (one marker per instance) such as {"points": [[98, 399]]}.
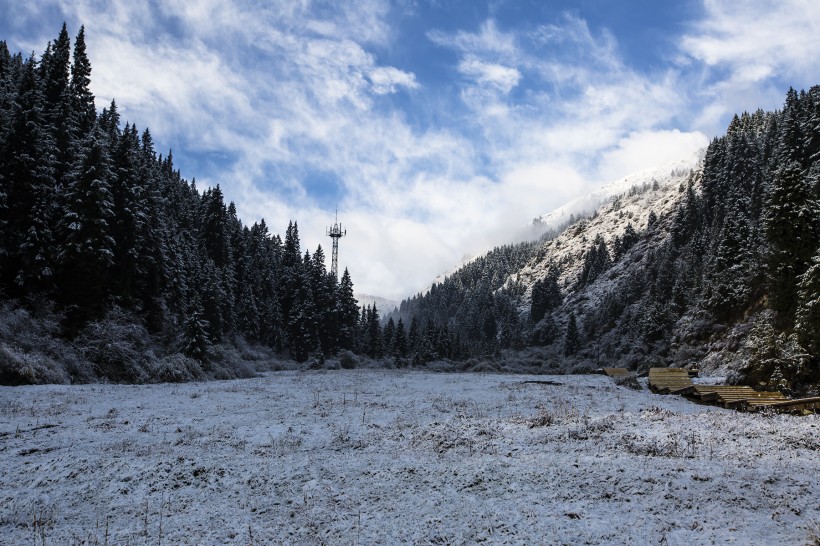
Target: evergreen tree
{"points": [[400, 348], [413, 336], [373, 333], [572, 338], [791, 229], [389, 336], [301, 321], [596, 261], [86, 245], [347, 312], [28, 175], [807, 320], [82, 98], [546, 296], [195, 342]]}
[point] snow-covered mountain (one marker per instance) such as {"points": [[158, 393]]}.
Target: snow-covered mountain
{"points": [[384, 305], [627, 201], [662, 174]]}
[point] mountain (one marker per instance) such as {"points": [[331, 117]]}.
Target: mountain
{"points": [[629, 201], [712, 262], [586, 204], [384, 305]]}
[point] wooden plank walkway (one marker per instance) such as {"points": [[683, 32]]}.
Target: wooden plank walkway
{"points": [[730, 396], [669, 380], [739, 397], [796, 405]]}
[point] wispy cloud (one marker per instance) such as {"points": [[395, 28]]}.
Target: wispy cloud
{"points": [[746, 52], [499, 77]]}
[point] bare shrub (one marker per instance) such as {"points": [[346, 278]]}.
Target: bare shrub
{"points": [[347, 360], [118, 347], [175, 368], [543, 419], [673, 445], [813, 537]]}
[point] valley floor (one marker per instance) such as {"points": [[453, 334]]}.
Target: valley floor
{"points": [[395, 457]]}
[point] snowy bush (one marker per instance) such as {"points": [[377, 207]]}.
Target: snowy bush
{"points": [[347, 360], [175, 368], [117, 347], [482, 366], [32, 352], [630, 381], [18, 367], [225, 362], [332, 364], [443, 365]]}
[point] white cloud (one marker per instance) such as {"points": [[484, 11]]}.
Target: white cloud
{"points": [[388, 79], [501, 78], [642, 148], [750, 52], [489, 40]]}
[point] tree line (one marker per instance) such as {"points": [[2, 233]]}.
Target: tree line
{"points": [[93, 219]]}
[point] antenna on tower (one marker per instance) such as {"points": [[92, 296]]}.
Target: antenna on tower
{"points": [[335, 233]]}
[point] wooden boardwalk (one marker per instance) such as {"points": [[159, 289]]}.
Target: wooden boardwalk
{"points": [[739, 397], [731, 396], [669, 380]]}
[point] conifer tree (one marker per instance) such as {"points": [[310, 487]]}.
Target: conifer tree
{"points": [[400, 341], [572, 338], [347, 311], [82, 98], [791, 230], [389, 336], [807, 320], [28, 173], [195, 342], [86, 245]]}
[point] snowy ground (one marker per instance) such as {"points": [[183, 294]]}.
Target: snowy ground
{"points": [[390, 457]]}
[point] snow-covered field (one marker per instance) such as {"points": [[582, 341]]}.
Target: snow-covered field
{"points": [[392, 457]]}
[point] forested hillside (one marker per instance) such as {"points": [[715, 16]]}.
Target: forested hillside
{"points": [[717, 268], [114, 266]]}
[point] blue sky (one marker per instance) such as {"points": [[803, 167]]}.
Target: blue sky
{"points": [[438, 128]]}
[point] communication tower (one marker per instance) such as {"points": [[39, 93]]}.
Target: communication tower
{"points": [[335, 233]]}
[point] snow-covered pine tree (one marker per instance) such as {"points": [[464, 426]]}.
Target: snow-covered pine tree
{"points": [[86, 243]]}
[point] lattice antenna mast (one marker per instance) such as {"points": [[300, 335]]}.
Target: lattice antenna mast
{"points": [[335, 233]]}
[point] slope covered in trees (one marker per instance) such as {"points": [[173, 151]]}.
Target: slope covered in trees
{"points": [[124, 267], [716, 268]]}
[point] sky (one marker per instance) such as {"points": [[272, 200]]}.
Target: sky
{"points": [[438, 129]]}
